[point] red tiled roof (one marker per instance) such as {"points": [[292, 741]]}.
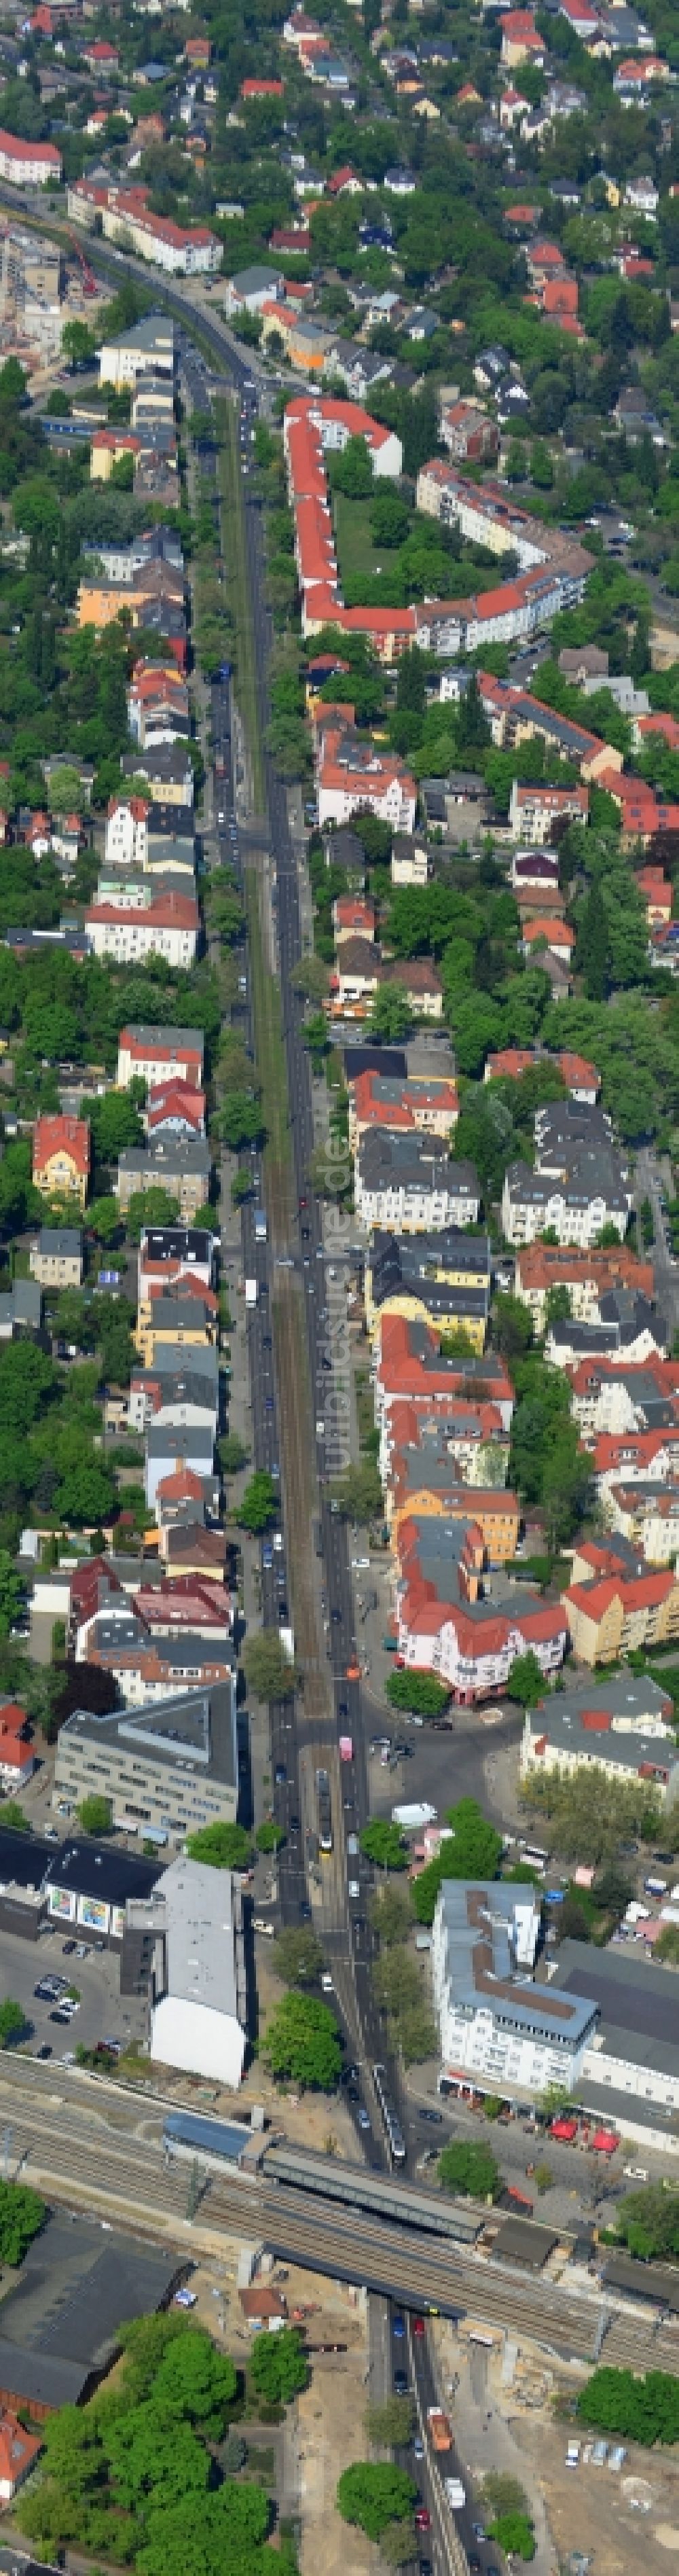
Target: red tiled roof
{"points": [[59, 1135]]}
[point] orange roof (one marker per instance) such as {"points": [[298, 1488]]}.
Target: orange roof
{"points": [[557, 933], [169, 912], [59, 1135], [181, 1487], [18, 2450], [261, 89]]}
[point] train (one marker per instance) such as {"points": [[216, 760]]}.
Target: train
{"points": [[324, 1810], [394, 2133]]}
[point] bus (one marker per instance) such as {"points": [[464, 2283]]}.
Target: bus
{"points": [[324, 1811], [394, 2132]]}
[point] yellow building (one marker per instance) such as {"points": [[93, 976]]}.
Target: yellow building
{"points": [[614, 1613], [61, 1158], [183, 1321], [440, 1279], [496, 1510]]}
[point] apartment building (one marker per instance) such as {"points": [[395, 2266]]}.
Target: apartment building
{"points": [[448, 1625], [166, 1768], [398, 1105], [614, 1604], [498, 2032], [56, 1256], [588, 1276], [181, 1164], [61, 1157], [167, 927], [533, 811], [404, 1185], [623, 1728], [442, 1280], [160, 1054], [29, 165]]}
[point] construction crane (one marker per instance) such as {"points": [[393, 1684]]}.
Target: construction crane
{"points": [[88, 278]]}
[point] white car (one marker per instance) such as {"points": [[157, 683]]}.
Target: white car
{"points": [[635, 2173], [360, 1564]]}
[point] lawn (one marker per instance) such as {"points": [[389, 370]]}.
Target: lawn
{"points": [[356, 553]]}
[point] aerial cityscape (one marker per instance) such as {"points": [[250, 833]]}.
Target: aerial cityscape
{"points": [[339, 1287]]}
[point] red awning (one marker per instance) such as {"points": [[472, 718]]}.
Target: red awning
{"points": [[605, 2141]]}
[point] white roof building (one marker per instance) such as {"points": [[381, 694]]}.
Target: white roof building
{"points": [[198, 1970]]}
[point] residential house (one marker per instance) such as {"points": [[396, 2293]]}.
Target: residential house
{"points": [[56, 1257], [404, 1183], [61, 1157]]}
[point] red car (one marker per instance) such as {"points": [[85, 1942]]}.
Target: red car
{"points": [[422, 2517], [419, 2327]]}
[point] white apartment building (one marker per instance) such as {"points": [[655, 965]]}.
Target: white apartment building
{"points": [[159, 1055], [401, 1185], [190, 1934], [621, 1727], [29, 165], [410, 864], [497, 2030], [389, 792], [534, 1203], [632, 2057], [126, 844], [147, 344], [167, 928]]}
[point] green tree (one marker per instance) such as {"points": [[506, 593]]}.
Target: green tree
{"points": [[470, 2169], [472, 1849], [372, 2494], [391, 2425], [279, 2369], [269, 1671], [22, 2214], [153, 1206], [12, 2023], [297, 1956], [383, 1843], [196, 2381], [13, 1818], [232, 1453], [526, 1680], [223, 1846], [302, 2044], [357, 1494], [240, 1121], [635, 2408], [11, 1593], [648, 2221], [269, 1836], [94, 1814], [115, 1123], [514, 2534], [391, 1018], [390, 1913], [258, 1505], [592, 949], [104, 1219], [78, 344], [419, 1692]]}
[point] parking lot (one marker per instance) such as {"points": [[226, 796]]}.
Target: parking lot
{"points": [[100, 2015]]}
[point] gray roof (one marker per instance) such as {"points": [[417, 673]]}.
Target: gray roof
{"points": [[152, 1033], [201, 1962], [567, 1720], [637, 2002], [419, 1257], [61, 2321], [187, 1156], [182, 1440], [191, 1733], [254, 281], [23, 1304], [481, 1958], [63, 1241], [179, 1362], [409, 1162]]}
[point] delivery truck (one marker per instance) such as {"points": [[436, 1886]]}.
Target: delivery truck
{"points": [[412, 1818], [439, 2428], [251, 1292]]}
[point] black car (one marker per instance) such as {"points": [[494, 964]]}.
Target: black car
{"points": [[63, 2017], [294, 1824], [342, 1708], [401, 2383], [45, 2051], [436, 2118], [425, 2566], [337, 1616], [67, 1949], [305, 1909]]}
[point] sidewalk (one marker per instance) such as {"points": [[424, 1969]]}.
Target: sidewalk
{"points": [[483, 2434]]}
